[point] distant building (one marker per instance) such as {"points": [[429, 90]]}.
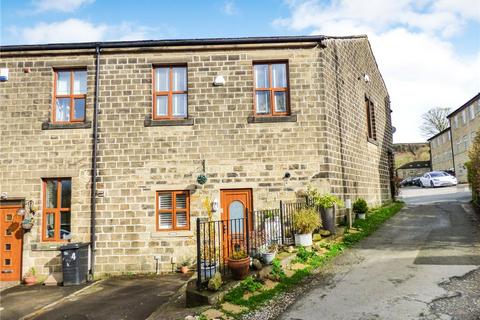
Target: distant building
{"points": [[413, 169], [441, 151], [464, 125]]}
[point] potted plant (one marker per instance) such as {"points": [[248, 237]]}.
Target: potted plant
{"points": [[184, 267], [305, 221], [327, 204], [360, 207], [27, 223], [209, 252], [268, 253], [30, 278], [239, 263]]}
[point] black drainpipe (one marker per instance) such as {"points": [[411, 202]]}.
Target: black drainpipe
{"points": [[94, 164]]}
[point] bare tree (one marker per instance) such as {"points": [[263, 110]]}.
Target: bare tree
{"points": [[434, 121]]}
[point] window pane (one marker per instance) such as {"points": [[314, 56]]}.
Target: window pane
{"points": [[181, 219], [63, 82], [80, 82], [181, 201], [79, 109], [165, 201], [279, 75], [165, 220], [65, 226], [51, 196], [261, 76], [62, 110], [280, 102], [162, 105], [161, 79], [263, 101], [179, 79], [66, 193], [179, 105], [50, 223]]}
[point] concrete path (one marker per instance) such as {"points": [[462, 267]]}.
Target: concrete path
{"points": [[400, 272]]}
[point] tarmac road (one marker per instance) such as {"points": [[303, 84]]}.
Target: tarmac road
{"points": [[424, 263]]}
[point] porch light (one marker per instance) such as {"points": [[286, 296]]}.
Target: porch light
{"points": [[219, 81]]}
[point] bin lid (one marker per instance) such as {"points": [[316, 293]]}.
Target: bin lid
{"points": [[74, 245]]}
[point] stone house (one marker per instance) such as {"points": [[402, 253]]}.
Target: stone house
{"points": [[148, 121], [441, 151], [464, 125], [413, 169]]}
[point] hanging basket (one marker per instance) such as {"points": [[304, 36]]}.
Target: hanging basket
{"points": [[202, 179], [27, 224]]}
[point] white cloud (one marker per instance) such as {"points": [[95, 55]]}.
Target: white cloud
{"points": [[410, 40], [76, 30], [59, 5], [229, 8]]}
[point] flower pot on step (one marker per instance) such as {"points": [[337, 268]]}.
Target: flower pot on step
{"points": [[304, 240], [239, 267]]}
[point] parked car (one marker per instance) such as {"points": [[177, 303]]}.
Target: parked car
{"points": [[416, 182], [406, 182], [437, 179]]}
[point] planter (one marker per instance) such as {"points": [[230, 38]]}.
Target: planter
{"points": [[268, 257], [239, 268], [184, 269], [304, 240], [30, 281], [361, 216], [27, 225], [207, 270], [329, 219]]}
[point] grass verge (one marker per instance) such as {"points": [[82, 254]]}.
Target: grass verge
{"points": [[374, 220]]}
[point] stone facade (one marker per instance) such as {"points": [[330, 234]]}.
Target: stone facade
{"points": [[324, 141], [413, 169], [441, 151], [464, 124]]}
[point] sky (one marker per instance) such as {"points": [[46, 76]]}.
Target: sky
{"points": [[428, 51]]}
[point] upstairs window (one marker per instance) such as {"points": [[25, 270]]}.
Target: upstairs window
{"points": [[173, 210], [57, 195], [271, 89], [371, 127], [70, 95], [170, 92]]}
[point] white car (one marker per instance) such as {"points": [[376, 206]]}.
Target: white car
{"points": [[437, 179]]}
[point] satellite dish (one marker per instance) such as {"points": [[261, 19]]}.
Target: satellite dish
{"points": [[394, 129]]}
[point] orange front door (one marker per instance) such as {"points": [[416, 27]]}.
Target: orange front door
{"points": [[235, 203], [11, 234]]}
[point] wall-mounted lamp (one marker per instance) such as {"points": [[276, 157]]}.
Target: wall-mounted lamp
{"points": [[215, 205], [366, 78], [219, 81], [28, 212]]}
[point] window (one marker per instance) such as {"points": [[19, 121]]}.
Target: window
{"points": [[56, 209], [70, 95], [370, 108], [464, 116], [169, 92], [472, 111], [173, 210], [455, 121], [271, 89]]}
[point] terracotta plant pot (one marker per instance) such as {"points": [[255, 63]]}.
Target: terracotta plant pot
{"points": [[184, 269], [30, 280], [239, 268]]}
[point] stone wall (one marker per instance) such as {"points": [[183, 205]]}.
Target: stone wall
{"points": [[441, 152]]}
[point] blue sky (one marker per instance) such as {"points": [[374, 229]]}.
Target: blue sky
{"points": [[428, 51]]}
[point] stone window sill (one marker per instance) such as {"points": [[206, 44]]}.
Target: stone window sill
{"points": [[73, 125], [373, 141], [55, 246], [149, 122], [272, 119], [170, 234]]}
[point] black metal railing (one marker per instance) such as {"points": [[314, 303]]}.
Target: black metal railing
{"points": [[217, 240]]}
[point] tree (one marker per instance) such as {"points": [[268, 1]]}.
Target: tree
{"points": [[474, 168], [434, 121]]}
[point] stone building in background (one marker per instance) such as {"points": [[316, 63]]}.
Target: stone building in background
{"points": [[413, 169], [464, 125], [441, 151], [148, 121]]}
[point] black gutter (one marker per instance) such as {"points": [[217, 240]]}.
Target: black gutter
{"points": [[93, 195], [168, 43], [466, 104], [438, 134]]}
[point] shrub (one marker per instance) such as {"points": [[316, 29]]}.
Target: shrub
{"points": [[360, 206], [250, 284], [474, 168], [277, 272], [306, 220], [303, 255]]}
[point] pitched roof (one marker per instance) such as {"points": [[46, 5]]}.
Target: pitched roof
{"points": [[466, 104], [439, 134], [415, 165]]}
